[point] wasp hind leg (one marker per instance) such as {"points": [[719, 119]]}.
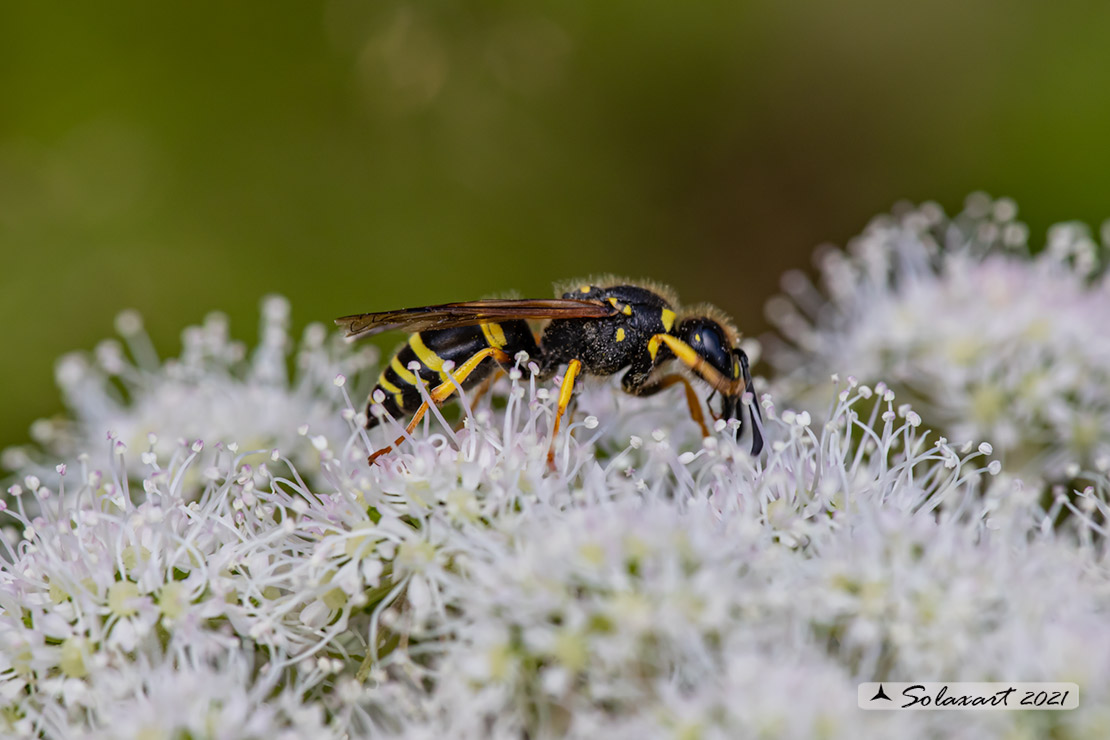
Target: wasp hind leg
{"points": [[443, 391]]}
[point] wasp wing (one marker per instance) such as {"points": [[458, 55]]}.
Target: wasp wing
{"points": [[469, 313]]}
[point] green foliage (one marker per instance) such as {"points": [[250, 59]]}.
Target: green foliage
{"points": [[179, 158]]}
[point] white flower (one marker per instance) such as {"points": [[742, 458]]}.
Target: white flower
{"points": [[104, 601], [989, 343], [217, 698], [214, 392]]}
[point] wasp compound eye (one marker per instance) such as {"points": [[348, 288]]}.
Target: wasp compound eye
{"points": [[708, 340]]}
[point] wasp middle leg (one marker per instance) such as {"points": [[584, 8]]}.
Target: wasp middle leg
{"points": [[566, 391]]}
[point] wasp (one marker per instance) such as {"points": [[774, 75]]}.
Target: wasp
{"points": [[593, 330]]}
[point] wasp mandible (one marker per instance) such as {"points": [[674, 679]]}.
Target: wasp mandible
{"points": [[593, 329]]}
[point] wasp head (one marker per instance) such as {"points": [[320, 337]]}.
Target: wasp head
{"points": [[714, 344]]}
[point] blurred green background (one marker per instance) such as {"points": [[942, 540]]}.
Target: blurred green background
{"points": [[355, 156]]}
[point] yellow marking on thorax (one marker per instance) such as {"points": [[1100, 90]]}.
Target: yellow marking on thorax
{"points": [[735, 369], [622, 307], [402, 372], [667, 317], [585, 289], [653, 345], [495, 336], [620, 334], [431, 360]]}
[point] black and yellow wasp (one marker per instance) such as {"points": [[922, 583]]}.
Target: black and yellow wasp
{"points": [[593, 329]]}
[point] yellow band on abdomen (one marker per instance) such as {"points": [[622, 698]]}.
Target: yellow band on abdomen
{"points": [[430, 359], [402, 372]]}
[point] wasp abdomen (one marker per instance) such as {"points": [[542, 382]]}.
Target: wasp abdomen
{"points": [[429, 350]]}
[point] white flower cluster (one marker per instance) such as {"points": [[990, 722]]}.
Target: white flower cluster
{"points": [[214, 392], [122, 619], [988, 342], [749, 600], [654, 584]]}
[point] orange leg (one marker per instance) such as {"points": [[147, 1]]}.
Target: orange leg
{"points": [[565, 391], [443, 391], [691, 397]]}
